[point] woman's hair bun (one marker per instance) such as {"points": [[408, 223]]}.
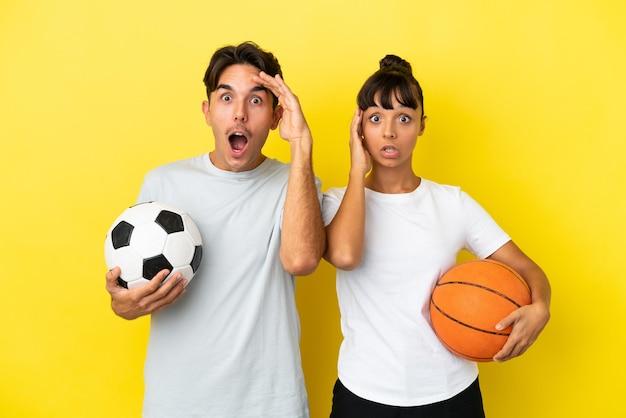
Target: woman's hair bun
{"points": [[395, 62]]}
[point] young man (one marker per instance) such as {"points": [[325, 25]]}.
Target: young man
{"points": [[229, 346]]}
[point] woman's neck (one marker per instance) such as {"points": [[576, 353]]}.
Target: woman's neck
{"points": [[392, 182]]}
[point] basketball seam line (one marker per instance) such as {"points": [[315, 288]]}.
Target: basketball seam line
{"points": [[504, 334], [511, 270], [488, 289], [464, 354]]}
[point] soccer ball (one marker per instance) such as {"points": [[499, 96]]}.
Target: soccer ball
{"points": [[149, 237]]}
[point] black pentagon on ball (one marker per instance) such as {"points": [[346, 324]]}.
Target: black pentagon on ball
{"points": [[120, 235], [171, 222], [153, 265], [122, 282], [197, 256]]}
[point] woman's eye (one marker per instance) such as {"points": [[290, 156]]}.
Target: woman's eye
{"points": [[375, 118], [405, 119]]}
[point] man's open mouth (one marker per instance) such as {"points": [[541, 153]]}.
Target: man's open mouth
{"points": [[238, 141]]}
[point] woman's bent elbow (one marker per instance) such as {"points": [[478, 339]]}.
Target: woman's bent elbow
{"points": [[343, 261]]}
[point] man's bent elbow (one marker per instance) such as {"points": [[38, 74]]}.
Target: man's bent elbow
{"points": [[301, 266]]}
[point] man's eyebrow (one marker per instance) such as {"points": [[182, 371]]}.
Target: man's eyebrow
{"points": [[252, 90]]}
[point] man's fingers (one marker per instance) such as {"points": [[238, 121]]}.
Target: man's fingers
{"points": [[111, 278], [278, 87]]}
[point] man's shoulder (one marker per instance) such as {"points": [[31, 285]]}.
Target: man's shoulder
{"points": [[191, 163], [335, 192], [275, 164]]}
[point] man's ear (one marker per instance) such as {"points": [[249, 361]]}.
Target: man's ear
{"points": [[278, 114], [205, 111]]}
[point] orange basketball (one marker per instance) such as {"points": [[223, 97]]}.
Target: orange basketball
{"points": [[467, 303]]}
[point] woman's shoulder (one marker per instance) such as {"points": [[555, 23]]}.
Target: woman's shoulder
{"points": [[440, 188]]}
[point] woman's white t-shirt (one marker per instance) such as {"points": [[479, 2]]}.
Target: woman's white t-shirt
{"points": [[390, 353]]}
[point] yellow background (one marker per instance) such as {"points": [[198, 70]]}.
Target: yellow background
{"points": [[526, 103]]}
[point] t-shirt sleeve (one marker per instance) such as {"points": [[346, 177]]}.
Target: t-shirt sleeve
{"points": [[318, 186], [484, 236], [147, 192], [330, 204]]}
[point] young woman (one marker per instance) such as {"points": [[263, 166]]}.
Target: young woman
{"points": [[391, 235]]}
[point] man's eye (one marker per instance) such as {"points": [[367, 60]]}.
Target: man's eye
{"points": [[256, 100], [226, 97]]}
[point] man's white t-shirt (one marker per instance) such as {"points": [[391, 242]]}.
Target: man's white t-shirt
{"points": [[229, 347]]}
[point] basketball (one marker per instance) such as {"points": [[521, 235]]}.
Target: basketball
{"points": [[467, 303]]}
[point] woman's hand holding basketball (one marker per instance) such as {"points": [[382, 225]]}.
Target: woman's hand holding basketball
{"points": [[528, 322]]}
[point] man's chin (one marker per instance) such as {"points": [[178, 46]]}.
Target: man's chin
{"points": [[236, 161]]}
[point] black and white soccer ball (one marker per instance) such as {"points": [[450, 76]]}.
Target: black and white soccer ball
{"points": [[149, 237]]}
